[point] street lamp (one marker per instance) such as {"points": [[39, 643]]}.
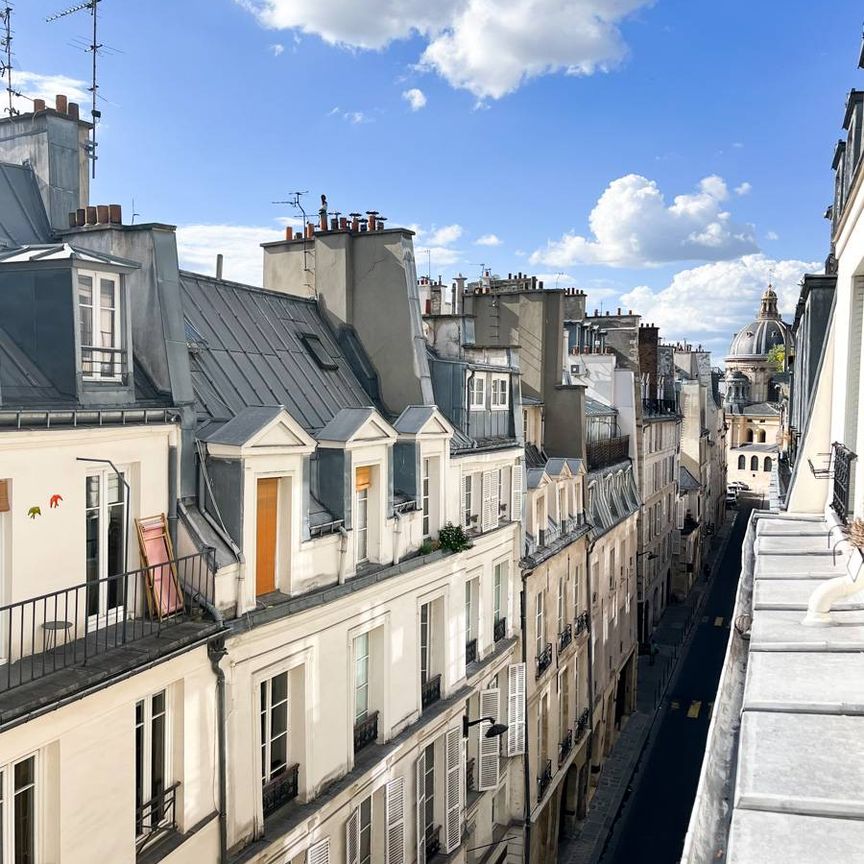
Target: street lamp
{"points": [[493, 731]]}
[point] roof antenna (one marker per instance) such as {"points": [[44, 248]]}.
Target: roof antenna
{"points": [[6, 64], [295, 200], [95, 113], [134, 214]]}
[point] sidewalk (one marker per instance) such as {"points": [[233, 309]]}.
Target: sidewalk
{"points": [[675, 626]]}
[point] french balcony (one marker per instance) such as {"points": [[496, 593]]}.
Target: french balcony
{"points": [[544, 659], [499, 631], [544, 779], [565, 747], [470, 651], [430, 691], [433, 841], [581, 623], [582, 724], [607, 451], [280, 790], [842, 471], [108, 365], [565, 637], [70, 627], [366, 731], [659, 408], [156, 818]]}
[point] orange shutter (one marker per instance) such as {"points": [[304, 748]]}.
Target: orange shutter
{"points": [[4, 496], [363, 478]]}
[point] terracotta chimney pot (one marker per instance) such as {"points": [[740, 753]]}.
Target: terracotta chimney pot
{"points": [[38, 105], [115, 214], [101, 214], [61, 103], [74, 113]]}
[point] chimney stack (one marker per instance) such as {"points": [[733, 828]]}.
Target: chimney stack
{"points": [[61, 103]]}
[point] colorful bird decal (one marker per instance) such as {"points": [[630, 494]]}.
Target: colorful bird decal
{"points": [[55, 501], [33, 512]]}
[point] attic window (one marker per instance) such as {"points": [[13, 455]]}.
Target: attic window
{"points": [[315, 347]]}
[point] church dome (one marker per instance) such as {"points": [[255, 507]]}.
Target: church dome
{"points": [[763, 334]]}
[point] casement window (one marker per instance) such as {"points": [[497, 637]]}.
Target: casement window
{"points": [[361, 678], [499, 591], [516, 709], [542, 731], [489, 509], [516, 510], [489, 748], [540, 624], [151, 765], [504, 493], [425, 498], [425, 788], [319, 853], [467, 493], [563, 703], [101, 326], [561, 606], [425, 642], [472, 588], [358, 834], [394, 821], [363, 483], [477, 392], [500, 392], [18, 812], [274, 729], [105, 543]]}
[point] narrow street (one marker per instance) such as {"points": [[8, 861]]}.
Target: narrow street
{"points": [[653, 821]]}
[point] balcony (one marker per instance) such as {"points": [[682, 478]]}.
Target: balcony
{"points": [[280, 790], [499, 631], [581, 624], [565, 637], [607, 451], [433, 841], [366, 731], [156, 818], [659, 408], [104, 365], [70, 627], [565, 747], [470, 651], [582, 724], [544, 779], [544, 659], [430, 691], [842, 476]]}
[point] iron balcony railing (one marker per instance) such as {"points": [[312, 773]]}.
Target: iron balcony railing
{"points": [[544, 779], [69, 627], [433, 841], [104, 364], [582, 724], [365, 731], [280, 790], [499, 631], [471, 651], [607, 451], [430, 692], [565, 746], [544, 659], [659, 408], [565, 637], [581, 624], [156, 818], [842, 471]]}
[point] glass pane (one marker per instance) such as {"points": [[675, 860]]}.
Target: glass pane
{"points": [[159, 703], [116, 549], [91, 546], [24, 813], [280, 688], [278, 755], [157, 755], [107, 293], [279, 719], [139, 765]]}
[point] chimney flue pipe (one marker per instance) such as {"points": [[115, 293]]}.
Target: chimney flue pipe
{"points": [[219, 259]]}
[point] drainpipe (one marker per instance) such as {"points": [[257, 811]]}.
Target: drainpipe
{"points": [[216, 651], [526, 771], [471, 375], [343, 550], [397, 535], [828, 593]]}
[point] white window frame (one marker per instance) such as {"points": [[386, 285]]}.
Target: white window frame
{"points": [[468, 493], [477, 392], [8, 795], [148, 716], [111, 370], [499, 591], [361, 660], [500, 396], [265, 772], [539, 623], [429, 627], [107, 614], [361, 531], [426, 499]]}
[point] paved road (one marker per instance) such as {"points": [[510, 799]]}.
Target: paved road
{"points": [[653, 822]]}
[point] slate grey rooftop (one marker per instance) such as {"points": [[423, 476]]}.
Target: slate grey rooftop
{"points": [[22, 214], [686, 481]]}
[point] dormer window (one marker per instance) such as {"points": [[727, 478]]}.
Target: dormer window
{"points": [[500, 388], [101, 326], [477, 392]]}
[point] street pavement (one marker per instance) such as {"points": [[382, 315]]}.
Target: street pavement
{"points": [[642, 804]]}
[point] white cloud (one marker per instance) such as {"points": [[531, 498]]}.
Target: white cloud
{"points": [[743, 189], [633, 226], [415, 98], [772, 235], [443, 236], [198, 246], [713, 301], [488, 240], [355, 118], [488, 47], [435, 256], [277, 49], [37, 86]]}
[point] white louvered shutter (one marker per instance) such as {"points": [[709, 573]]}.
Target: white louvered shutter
{"points": [[516, 709], [488, 518], [352, 838], [319, 853], [462, 495], [516, 508], [452, 791], [489, 748], [421, 808], [394, 815]]}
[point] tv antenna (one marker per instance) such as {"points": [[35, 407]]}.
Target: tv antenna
{"points": [[6, 62], [295, 200], [95, 113]]}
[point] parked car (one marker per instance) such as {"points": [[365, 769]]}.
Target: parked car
{"points": [[739, 485], [731, 499]]}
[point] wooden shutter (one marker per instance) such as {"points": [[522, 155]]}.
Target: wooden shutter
{"points": [[352, 837], [489, 748], [319, 853], [420, 772], [516, 508], [4, 496], [394, 817], [452, 791], [488, 517], [516, 709]]}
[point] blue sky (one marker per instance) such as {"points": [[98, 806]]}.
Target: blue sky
{"points": [[216, 108]]}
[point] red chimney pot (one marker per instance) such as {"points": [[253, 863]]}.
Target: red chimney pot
{"points": [[38, 105], [61, 103], [90, 215], [115, 214], [101, 214], [74, 113]]}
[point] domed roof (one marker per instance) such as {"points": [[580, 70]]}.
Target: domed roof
{"points": [[763, 334]]}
